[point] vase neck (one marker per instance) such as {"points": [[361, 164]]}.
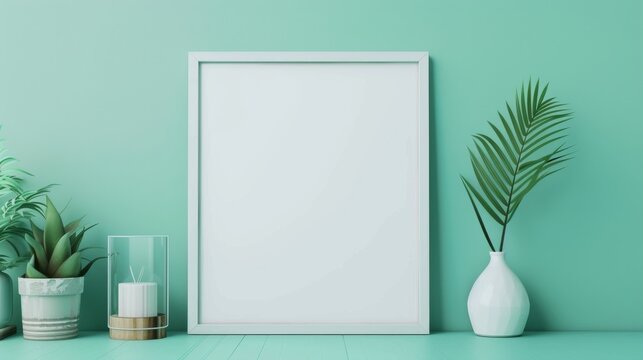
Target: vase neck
{"points": [[496, 258]]}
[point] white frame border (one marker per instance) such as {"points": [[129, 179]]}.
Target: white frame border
{"points": [[194, 61]]}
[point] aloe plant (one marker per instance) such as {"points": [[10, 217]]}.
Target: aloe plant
{"points": [[56, 249], [526, 147]]}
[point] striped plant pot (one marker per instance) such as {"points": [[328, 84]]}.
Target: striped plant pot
{"points": [[50, 307]]}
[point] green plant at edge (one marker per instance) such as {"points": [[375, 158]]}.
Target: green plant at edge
{"points": [[528, 146], [56, 249], [7, 262], [17, 207]]}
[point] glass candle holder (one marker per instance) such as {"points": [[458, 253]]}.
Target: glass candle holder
{"points": [[137, 287]]}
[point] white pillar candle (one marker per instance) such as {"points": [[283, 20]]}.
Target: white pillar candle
{"points": [[137, 299]]}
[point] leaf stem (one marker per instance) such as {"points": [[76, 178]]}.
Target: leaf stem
{"points": [[475, 208], [511, 191]]}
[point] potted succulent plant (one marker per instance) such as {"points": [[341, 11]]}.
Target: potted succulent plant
{"points": [[53, 282], [525, 148]]}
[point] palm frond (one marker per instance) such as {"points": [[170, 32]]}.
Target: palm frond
{"points": [[17, 206], [525, 147]]}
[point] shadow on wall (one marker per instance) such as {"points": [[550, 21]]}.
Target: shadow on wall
{"points": [[537, 315], [436, 306]]}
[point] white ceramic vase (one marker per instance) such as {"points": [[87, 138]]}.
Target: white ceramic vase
{"points": [[498, 302], [50, 307], [6, 299]]}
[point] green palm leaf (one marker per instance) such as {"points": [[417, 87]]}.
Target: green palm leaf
{"points": [[526, 148], [17, 206]]}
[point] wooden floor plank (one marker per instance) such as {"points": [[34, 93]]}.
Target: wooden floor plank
{"points": [[86, 346], [175, 346], [22, 349], [584, 345], [250, 348], [391, 347], [304, 347], [204, 347], [194, 347], [213, 347], [439, 346]]}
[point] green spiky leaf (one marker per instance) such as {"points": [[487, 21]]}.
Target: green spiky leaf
{"points": [[89, 265], [61, 253], [38, 233], [78, 238], [38, 251], [70, 268], [54, 228], [72, 226], [31, 271]]}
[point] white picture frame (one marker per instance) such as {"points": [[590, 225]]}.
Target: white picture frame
{"points": [[308, 193]]}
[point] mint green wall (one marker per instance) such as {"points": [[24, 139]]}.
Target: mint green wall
{"points": [[93, 97]]}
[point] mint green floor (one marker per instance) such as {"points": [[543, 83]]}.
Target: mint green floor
{"points": [[455, 345]]}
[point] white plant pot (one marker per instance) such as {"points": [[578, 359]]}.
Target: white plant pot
{"points": [[50, 307], [498, 302], [6, 299]]}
